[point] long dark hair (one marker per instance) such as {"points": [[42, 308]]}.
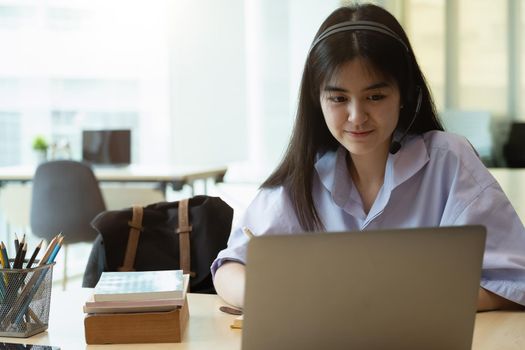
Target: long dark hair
{"points": [[310, 134]]}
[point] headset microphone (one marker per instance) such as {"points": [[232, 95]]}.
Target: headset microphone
{"points": [[395, 146]]}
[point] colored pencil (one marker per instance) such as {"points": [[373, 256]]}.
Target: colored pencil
{"points": [[26, 295], [17, 243], [5, 261], [22, 256], [18, 254], [6, 256], [48, 251], [55, 250], [2, 261], [33, 257]]}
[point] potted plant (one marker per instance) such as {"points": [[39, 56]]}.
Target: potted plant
{"points": [[40, 147]]}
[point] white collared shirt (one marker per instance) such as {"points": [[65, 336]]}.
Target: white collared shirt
{"points": [[436, 179]]}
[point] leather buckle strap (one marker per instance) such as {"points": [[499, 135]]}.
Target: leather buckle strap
{"points": [[184, 231], [135, 227]]}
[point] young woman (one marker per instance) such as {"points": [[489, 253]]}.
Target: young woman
{"points": [[368, 152]]}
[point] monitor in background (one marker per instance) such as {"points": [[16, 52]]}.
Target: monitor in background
{"points": [[106, 147]]}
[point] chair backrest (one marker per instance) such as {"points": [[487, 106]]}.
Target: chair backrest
{"points": [[513, 150], [66, 197]]}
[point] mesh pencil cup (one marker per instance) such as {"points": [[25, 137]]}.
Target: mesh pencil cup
{"points": [[25, 296]]}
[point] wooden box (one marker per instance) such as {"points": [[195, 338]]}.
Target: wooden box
{"points": [[144, 327]]}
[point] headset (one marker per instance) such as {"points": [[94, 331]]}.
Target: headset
{"points": [[346, 26]]}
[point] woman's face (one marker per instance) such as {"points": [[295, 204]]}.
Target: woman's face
{"points": [[361, 108]]}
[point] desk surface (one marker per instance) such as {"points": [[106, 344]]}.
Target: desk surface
{"points": [[209, 328]]}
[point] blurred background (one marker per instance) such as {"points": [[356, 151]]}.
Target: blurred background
{"points": [[216, 82], [211, 82]]}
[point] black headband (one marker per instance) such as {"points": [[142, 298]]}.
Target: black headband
{"points": [[357, 25]]}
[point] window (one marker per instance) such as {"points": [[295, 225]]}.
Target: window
{"points": [[66, 66], [521, 61], [483, 77], [425, 28], [9, 138]]}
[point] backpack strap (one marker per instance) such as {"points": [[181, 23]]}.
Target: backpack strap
{"points": [[135, 227], [184, 231]]}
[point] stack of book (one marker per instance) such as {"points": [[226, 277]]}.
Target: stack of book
{"points": [[137, 307]]}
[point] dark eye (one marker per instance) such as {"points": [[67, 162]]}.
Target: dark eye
{"points": [[337, 99], [376, 97]]}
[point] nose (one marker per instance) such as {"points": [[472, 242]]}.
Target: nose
{"points": [[357, 114]]}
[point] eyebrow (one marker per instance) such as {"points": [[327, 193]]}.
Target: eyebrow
{"points": [[371, 87]]}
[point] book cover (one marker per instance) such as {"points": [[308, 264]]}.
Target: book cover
{"points": [[139, 285], [106, 307], [101, 307]]}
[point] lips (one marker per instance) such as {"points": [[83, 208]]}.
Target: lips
{"points": [[358, 133]]}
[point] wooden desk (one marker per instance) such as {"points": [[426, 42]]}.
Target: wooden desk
{"points": [[176, 177], [209, 328], [501, 330]]}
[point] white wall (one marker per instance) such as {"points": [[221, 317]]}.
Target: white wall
{"points": [[208, 81], [236, 67], [306, 17]]}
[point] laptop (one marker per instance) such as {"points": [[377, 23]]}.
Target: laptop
{"points": [[389, 289]]}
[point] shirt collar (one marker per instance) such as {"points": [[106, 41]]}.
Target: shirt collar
{"points": [[333, 173], [411, 158]]}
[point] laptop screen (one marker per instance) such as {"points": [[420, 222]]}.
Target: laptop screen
{"points": [[106, 147]]}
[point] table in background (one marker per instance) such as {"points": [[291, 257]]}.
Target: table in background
{"points": [[174, 176], [209, 328]]}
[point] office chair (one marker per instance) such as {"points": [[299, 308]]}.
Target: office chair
{"points": [[513, 149], [65, 198]]}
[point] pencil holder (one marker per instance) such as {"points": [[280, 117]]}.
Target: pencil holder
{"points": [[25, 296]]}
